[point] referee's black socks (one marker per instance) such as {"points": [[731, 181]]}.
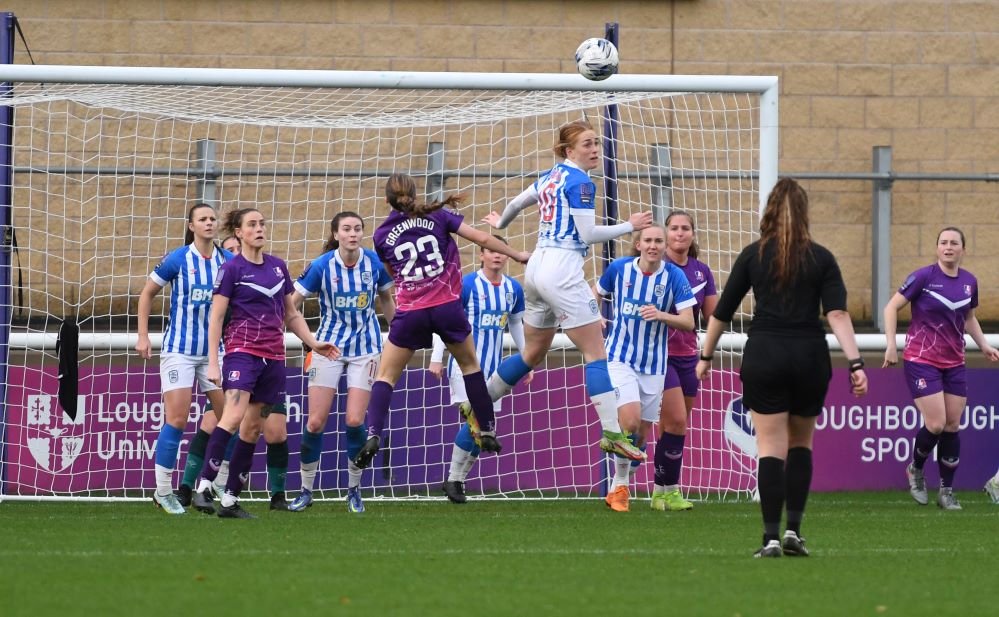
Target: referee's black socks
{"points": [[770, 482], [798, 474]]}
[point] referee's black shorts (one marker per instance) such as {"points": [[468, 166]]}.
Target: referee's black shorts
{"points": [[785, 374]]}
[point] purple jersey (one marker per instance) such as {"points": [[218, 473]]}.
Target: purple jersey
{"points": [[256, 295], [702, 284], [422, 256], [940, 306]]}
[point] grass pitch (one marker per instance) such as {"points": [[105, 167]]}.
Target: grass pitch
{"points": [[872, 554]]}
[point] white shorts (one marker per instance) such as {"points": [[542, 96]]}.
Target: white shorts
{"points": [[632, 386], [458, 394], [178, 370], [555, 291], [361, 371]]}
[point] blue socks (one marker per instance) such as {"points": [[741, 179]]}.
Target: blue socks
{"points": [[465, 441], [312, 446], [597, 378], [512, 369], [167, 446], [356, 436]]}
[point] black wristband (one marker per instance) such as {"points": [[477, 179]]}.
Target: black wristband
{"points": [[856, 364], [707, 358]]}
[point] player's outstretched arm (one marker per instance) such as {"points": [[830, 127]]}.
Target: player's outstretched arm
{"points": [[528, 198], [591, 233], [486, 241], [295, 322]]}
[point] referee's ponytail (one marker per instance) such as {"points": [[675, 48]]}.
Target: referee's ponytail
{"points": [[784, 226]]}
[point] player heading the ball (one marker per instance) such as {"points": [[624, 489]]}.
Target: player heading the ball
{"points": [[557, 294]]}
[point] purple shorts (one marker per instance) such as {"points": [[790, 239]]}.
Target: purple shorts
{"points": [[264, 379], [924, 379], [415, 329], [680, 373]]}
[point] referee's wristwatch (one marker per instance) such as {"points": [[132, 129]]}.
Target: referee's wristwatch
{"points": [[856, 364]]}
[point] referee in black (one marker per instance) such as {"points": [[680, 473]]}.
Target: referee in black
{"points": [[785, 365]]}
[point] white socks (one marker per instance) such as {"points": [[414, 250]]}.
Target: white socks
{"points": [[309, 475], [606, 405], [164, 481], [622, 472], [353, 475]]}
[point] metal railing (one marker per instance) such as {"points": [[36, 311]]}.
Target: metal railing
{"points": [[660, 177]]}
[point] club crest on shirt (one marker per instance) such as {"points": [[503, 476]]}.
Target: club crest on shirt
{"points": [[660, 291], [277, 270], [967, 290], [509, 298], [366, 278], [699, 275]]}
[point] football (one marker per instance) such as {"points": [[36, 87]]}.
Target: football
{"points": [[596, 59]]}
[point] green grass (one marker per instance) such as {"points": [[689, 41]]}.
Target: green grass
{"points": [[872, 554]]}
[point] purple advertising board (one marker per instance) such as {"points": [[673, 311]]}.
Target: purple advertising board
{"points": [[548, 430]]}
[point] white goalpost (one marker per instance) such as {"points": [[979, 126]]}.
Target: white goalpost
{"points": [[107, 161]]}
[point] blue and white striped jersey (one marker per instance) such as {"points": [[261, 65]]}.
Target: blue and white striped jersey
{"points": [[560, 191], [632, 340], [191, 277], [489, 308], [347, 300]]}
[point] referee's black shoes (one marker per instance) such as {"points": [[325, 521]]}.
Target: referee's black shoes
{"points": [[793, 546]]}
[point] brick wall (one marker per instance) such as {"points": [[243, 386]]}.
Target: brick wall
{"points": [[922, 77]]}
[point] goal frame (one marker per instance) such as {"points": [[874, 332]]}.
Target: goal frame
{"points": [[766, 87]]}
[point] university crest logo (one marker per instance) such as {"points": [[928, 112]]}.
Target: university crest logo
{"points": [[54, 439]]}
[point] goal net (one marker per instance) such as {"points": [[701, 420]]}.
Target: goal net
{"points": [[104, 173]]}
